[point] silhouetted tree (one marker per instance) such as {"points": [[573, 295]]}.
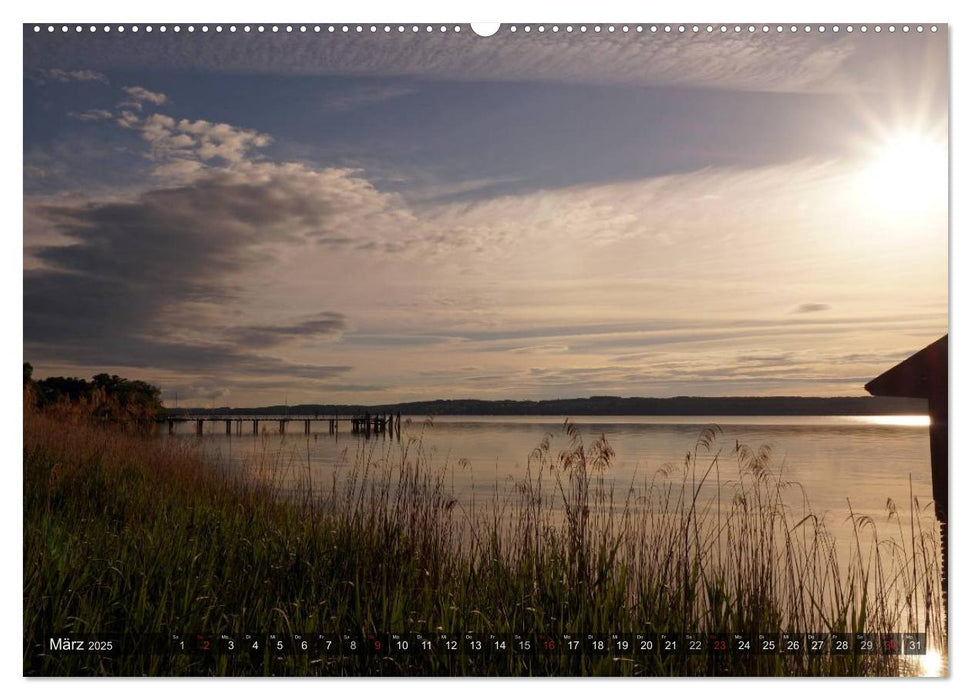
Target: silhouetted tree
{"points": [[54, 389], [107, 396]]}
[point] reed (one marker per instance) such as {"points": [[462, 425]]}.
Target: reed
{"points": [[127, 534]]}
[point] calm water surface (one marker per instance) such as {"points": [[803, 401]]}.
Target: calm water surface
{"points": [[861, 463], [840, 461]]}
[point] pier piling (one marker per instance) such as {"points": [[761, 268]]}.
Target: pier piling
{"points": [[388, 424]]}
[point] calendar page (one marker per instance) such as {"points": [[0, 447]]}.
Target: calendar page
{"points": [[475, 350]]}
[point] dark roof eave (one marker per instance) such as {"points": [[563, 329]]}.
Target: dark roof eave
{"points": [[920, 376]]}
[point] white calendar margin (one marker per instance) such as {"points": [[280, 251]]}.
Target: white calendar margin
{"points": [[549, 11]]}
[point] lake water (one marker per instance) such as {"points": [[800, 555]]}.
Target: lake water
{"points": [[840, 461], [838, 464]]}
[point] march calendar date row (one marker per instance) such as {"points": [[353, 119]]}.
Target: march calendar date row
{"points": [[476, 644]]}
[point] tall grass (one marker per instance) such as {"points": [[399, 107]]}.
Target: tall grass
{"points": [[129, 535]]}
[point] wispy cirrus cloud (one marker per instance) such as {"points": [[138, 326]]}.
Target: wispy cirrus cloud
{"points": [[42, 76], [753, 61], [92, 115], [356, 96]]}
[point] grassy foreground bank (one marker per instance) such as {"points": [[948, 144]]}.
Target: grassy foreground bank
{"points": [[126, 534]]}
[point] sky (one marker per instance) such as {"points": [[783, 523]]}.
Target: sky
{"points": [[261, 218]]}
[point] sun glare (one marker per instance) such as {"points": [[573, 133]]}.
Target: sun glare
{"points": [[915, 421], [906, 175], [931, 663]]}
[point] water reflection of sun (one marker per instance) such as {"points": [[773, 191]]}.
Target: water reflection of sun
{"points": [[931, 663], [903, 420]]}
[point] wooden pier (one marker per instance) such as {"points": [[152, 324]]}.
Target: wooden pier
{"points": [[366, 425]]}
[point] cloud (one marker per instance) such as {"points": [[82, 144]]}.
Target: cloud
{"points": [[658, 331], [173, 142], [810, 308], [92, 115], [630, 285], [155, 267], [740, 61], [222, 390], [325, 325], [160, 132], [657, 212], [41, 76], [765, 358], [351, 98], [459, 190], [756, 61], [539, 349], [138, 96], [215, 140], [704, 371], [128, 120]]}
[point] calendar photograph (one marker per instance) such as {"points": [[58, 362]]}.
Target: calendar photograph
{"points": [[450, 350]]}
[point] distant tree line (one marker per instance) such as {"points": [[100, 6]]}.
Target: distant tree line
{"points": [[608, 406], [106, 397]]}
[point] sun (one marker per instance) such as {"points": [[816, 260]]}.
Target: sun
{"points": [[906, 175]]}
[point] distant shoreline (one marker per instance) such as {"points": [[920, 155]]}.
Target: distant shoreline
{"points": [[602, 406]]}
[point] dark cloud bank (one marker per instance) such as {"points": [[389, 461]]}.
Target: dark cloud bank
{"points": [[132, 272]]}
